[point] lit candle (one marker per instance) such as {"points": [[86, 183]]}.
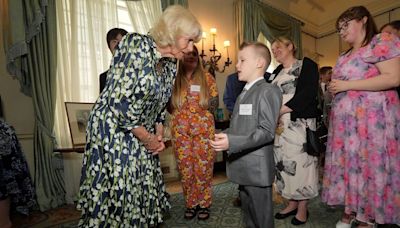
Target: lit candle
{"points": [[213, 31], [204, 35], [227, 43]]}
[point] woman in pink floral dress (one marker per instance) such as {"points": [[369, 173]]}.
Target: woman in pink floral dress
{"points": [[362, 166]]}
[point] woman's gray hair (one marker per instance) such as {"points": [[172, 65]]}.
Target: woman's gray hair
{"points": [[175, 21]]}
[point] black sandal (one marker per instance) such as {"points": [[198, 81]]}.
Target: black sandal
{"points": [[190, 213], [204, 213]]}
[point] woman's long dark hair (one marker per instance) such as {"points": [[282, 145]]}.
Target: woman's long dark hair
{"points": [[358, 13]]}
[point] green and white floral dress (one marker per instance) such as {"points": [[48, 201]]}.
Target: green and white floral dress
{"points": [[122, 183]]}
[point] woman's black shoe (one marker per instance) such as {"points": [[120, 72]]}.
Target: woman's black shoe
{"points": [[204, 214], [283, 216], [190, 213], [297, 222]]}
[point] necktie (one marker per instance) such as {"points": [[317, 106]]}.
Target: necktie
{"points": [[242, 94]]}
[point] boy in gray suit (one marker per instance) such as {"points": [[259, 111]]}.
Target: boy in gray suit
{"points": [[249, 138]]}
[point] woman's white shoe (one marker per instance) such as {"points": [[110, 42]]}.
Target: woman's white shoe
{"points": [[341, 224]]}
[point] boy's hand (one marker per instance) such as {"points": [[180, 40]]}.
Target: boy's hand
{"points": [[221, 142]]}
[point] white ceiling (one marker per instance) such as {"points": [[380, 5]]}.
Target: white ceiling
{"points": [[319, 16]]}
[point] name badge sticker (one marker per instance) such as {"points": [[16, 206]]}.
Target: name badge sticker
{"points": [[272, 77], [246, 109], [195, 88]]}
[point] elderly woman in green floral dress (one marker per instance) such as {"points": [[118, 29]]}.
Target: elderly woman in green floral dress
{"points": [[121, 183]]}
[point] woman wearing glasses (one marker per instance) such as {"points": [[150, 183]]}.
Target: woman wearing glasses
{"points": [[363, 157]]}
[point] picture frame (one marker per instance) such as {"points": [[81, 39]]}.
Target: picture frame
{"points": [[78, 117]]}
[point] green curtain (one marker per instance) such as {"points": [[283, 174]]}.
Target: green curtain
{"points": [[166, 3], [253, 17], [31, 38], [15, 44]]}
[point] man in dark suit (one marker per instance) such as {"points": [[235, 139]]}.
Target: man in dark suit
{"points": [[233, 88], [249, 138], [114, 36]]}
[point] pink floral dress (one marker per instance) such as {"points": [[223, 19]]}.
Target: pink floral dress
{"points": [[362, 166]]}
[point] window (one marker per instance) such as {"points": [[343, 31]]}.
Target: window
{"points": [[124, 21], [261, 38]]}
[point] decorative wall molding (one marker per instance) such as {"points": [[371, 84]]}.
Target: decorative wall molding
{"points": [[321, 22], [25, 136]]}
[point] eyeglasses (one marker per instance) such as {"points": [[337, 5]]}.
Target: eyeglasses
{"points": [[344, 26]]}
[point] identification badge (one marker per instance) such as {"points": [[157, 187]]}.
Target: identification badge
{"points": [[245, 109], [195, 88]]}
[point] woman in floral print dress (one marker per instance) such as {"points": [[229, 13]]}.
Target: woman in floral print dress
{"points": [[122, 183], [194, 100], [296, 170], [362, 163]]}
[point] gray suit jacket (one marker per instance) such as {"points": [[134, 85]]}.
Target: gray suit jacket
{"points": [[250, 155]]}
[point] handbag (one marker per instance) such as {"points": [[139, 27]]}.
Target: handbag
{"points": [[313, 143]]}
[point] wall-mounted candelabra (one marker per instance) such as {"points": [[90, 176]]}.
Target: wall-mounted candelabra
{"points": [[212, 63]]}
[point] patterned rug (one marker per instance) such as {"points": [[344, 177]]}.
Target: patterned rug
{"points": [[223, 214]]}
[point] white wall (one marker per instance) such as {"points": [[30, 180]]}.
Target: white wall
{"points": [[217, 14], [308, 43]]}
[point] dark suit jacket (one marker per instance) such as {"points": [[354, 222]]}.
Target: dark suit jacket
{"points": [[304, 102], [102, 80], [233, 88], [250, 155]]}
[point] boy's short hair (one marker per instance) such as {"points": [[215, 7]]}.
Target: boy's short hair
{"points": [[261, 50], [113, 33], [324, 70]]}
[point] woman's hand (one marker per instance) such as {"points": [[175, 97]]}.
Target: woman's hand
{"points": [[154, 144], [337, 86], [284, 109]]}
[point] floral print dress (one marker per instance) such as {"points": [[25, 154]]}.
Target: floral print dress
{"points": [[193, 127], [362, 164], [296, 171], [122, 183], [15, 180]]}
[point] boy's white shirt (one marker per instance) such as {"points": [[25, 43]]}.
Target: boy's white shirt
{"points": [[247, 109], [250, 84]]}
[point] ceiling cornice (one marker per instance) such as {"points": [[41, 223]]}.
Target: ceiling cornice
{"points": [[317, 27], [375, 8]]}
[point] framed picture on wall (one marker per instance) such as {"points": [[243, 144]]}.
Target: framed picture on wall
{"points": [[78, 117]]}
